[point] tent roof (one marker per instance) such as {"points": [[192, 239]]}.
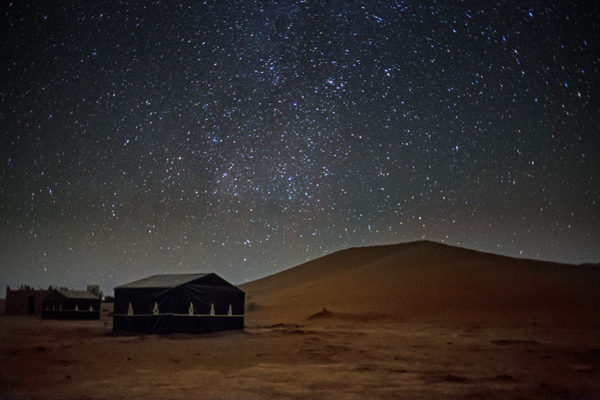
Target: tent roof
{"points": [[162, 281], [77, 294]]}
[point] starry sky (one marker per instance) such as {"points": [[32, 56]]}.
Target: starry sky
{"points": [[246, 137]]}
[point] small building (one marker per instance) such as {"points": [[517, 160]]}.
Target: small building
{"points": [[184, 303], [71, 304], [24, 301]]}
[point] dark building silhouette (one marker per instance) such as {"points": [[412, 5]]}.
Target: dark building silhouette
{"points": [[24, 301], [188, 303]]}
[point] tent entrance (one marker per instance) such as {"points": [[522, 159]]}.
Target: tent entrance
{"points": [[31, 305]]}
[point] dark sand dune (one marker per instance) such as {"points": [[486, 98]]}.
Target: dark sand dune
{"points": [[428, 281]]}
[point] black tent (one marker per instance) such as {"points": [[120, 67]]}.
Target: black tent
{"points": [[187, 303], [71, 304]]}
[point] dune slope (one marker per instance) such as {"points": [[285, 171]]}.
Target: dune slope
{"points": [[429, 281]]}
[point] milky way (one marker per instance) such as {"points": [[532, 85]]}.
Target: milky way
{"points": [[247, 137]]}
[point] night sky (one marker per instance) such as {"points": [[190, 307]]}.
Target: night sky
{"points": [[244, 138]]}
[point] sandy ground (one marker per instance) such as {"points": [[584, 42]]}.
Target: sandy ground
{"points": [[324, 357], [415, 321]]}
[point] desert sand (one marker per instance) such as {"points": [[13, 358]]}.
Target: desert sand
{"points": [[417, 320]]}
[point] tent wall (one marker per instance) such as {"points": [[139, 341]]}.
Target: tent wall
{"points": [[70, 314], [178, 300], [174, 306], [170, 323], [57, 306]]}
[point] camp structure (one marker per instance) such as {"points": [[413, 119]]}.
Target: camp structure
{"points": [[71, 304], [178, 303], [24, 301]]}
